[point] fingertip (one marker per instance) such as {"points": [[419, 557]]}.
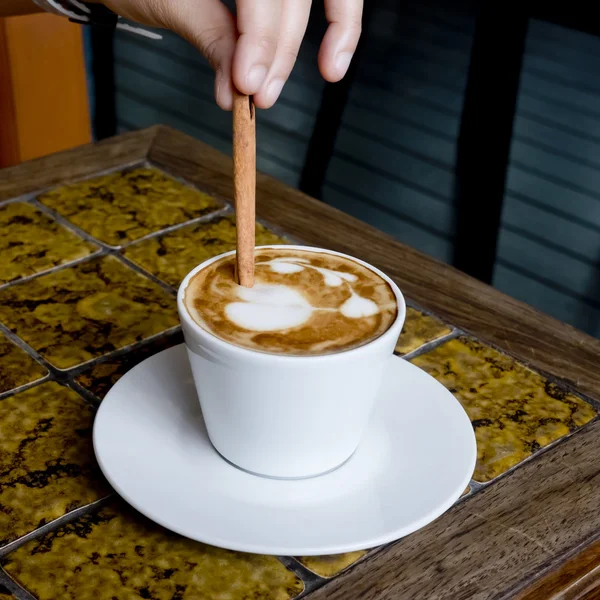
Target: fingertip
{"points": [[342, 63], [248, 76], [254, 78], [327, 66], [269, 94], [225, 102], [330, 71], [223, 91], [337, 49]]}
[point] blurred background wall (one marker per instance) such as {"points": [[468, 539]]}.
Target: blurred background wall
{"points": [[394, 159]]}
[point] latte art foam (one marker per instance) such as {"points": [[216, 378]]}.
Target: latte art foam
{"points": [[302, 303]]}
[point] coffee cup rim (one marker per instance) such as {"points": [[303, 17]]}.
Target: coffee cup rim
{"points": [[257, 354]]}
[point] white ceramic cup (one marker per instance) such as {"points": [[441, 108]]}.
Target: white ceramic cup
{"points": [[286, 416]]}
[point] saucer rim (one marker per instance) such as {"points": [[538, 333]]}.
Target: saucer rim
{"points": [[282, 550]]}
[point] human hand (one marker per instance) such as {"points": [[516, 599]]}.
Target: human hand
{"points": [[257, 53]]}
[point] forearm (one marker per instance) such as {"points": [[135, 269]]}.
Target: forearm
{"points": [[10, 8]]}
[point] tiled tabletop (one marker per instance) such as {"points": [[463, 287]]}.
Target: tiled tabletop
{"points": [[88, 277]]}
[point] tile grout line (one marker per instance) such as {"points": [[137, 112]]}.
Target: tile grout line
{"points": [[226, 208], [51, 377], [29, 196], [15, 588], [67, 376], [226, 211], [458, 332], [85, 395], [311, 581], [34, 200], [141, 271], [476, 486], [229, 202], [137, 163], [172, 289], [82, 367], [56, 524], [26, 386], [221, 212], [561, 383], [50, 212], [98, 254], [64, 374], [13, 337], [54, 373], [428, 346], [369, 554], [535, 455], [24, 198]]}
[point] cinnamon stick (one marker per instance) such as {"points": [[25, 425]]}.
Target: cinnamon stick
{"points": [[244, 182]]}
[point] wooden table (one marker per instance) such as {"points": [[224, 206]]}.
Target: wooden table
{"points": [[88, 275]]}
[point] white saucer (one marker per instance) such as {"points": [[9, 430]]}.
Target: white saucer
{"points": [[414, 462]]}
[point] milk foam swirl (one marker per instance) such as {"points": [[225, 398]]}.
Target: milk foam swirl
{"points": [[273, 307], [303, 302]]}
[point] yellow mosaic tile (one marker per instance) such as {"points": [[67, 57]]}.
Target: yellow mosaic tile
{"points": [[119, 554], [419, 329], [125, 206], [32, 242], [328, 566], [87, 310], [16, 366], [99, 378], [514, 410], [47, 464], [172, 256]]}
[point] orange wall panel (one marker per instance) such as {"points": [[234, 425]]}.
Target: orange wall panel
{"points": [[43, 95]]}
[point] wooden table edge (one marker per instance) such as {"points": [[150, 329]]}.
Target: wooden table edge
{"points": [[576, 577]]}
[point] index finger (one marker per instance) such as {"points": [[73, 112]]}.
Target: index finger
{"points": [[258, 23]]}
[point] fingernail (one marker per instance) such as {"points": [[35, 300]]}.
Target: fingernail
{"points": [[274, 90], [255, 78], [342, 62]]}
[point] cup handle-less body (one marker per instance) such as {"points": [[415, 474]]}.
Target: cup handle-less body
{"points": [[285, 416]]}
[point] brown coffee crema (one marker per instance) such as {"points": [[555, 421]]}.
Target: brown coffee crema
{"points": [[302, 303]]}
